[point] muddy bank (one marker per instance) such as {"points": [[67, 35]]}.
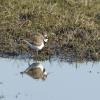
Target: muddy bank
{"points": [[68, 44], [75, 26]]}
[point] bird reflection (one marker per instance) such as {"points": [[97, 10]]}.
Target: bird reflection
{"points": [[36, 71]]}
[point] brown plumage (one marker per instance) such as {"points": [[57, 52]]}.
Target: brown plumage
{"points": [[37, 39], [36, 71]]}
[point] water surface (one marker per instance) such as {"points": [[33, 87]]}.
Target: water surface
{"points": [[67, 81]]}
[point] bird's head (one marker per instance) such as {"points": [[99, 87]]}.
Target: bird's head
{"points": [[45, 74], [45, 36]]}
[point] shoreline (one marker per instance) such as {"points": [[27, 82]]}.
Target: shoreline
{"points": [[73, 27], [77, 43]]}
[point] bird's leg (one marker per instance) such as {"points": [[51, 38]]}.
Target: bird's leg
{"points": [[28, 62], [37, 55]]}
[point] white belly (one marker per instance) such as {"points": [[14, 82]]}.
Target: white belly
{"points": [[37, 47], [41, 67]]}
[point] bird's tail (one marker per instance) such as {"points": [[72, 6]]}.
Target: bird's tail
{"points": [[27, 42], [23, 40]]}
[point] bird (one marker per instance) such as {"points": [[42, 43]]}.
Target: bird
{"points": [[36, 71], [37, 41]]}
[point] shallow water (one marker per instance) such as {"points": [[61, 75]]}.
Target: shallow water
{"points": [[66, 81]]}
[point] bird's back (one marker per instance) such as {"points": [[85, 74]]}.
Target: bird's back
{"points": [[35, 73], [37, 39]]}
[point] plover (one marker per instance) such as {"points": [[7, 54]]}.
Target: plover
{"points": [[36, 71], [37, 41]]}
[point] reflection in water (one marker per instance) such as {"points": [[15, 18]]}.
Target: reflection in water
{"points": [[36, 71], [66, 82]]}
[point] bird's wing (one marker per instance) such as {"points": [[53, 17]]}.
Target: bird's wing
{"points": [[35, 73], [37, 40]]}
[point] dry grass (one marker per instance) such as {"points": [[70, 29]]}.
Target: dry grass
{"points": [[78, 19]]}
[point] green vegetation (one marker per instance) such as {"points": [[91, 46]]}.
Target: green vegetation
{"points": [[75, 24]]}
